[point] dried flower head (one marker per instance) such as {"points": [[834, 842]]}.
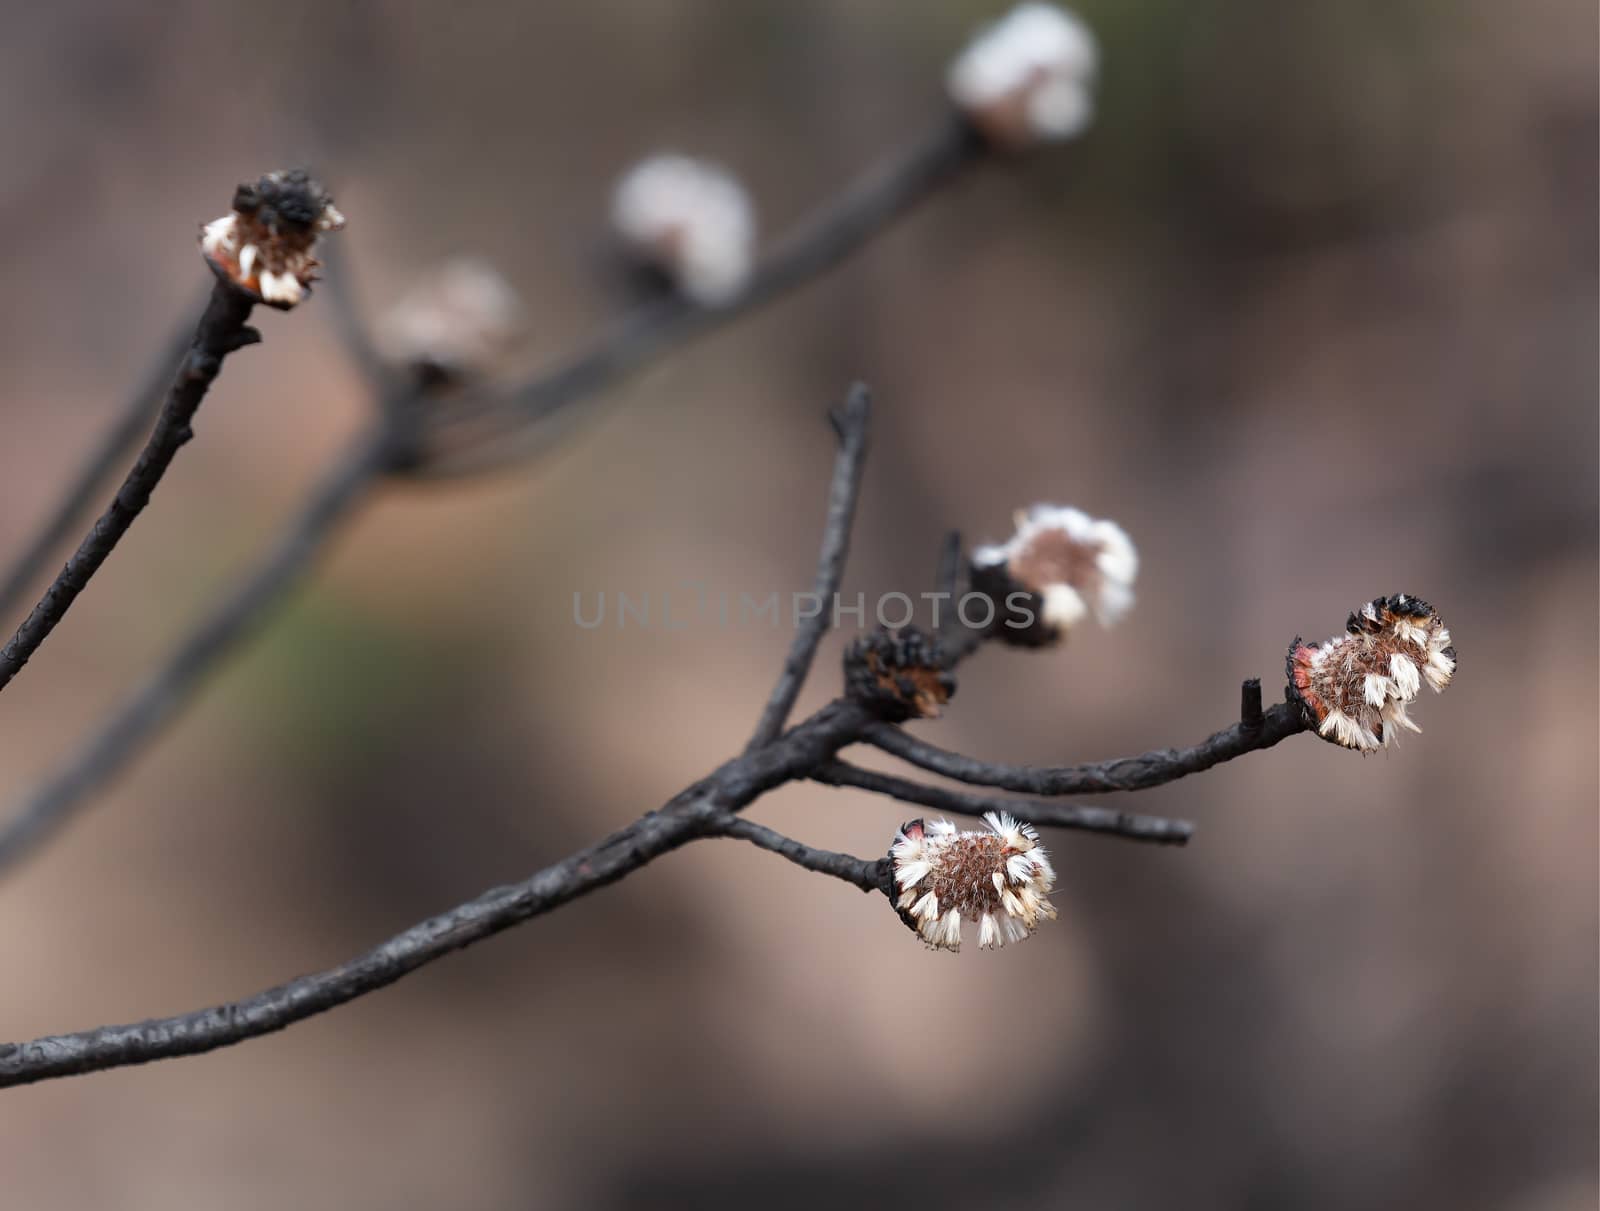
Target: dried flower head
{"points": [[267, 244], [1027, 78], [1000, 879], [1068, 563], [1356, 686], [453, 323], [690, 219], [898, 674]]}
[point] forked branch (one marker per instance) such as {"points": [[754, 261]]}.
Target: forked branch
{"points": [[708, 808]]}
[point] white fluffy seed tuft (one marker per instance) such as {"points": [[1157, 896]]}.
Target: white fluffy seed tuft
{"points": [[1028, 78], [691, 219], [999, 878], [1357, 687]]}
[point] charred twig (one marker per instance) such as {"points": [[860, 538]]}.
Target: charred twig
{"points": [[868, 875], [1155, 768], [222, 329], [700, 810], [136, 414], [1251, 717], [272, 1010], [947, 580], [1105, 820], [843, 494], [349, 325], [706, 809]]}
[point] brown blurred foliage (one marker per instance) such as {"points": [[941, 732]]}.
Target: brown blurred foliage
{"points": [[1311, 312]]}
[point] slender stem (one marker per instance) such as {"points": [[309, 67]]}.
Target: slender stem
{"points": [[947, 579], [1155, 768], [338, 285], [1251, 716], [868, 875], [134, 417], [222, 329], [957, 641], [843, 493], [1127, 825], [139, 717]]}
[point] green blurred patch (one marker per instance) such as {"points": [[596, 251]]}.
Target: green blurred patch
{"points": [[333, 680]]}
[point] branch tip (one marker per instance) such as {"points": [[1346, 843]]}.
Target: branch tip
{"points": [[247, 335], [844, 492], [898, 675], [949, 570], [1250, 704]]}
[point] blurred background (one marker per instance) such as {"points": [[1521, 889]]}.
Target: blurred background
{"points": [[1311, 311]]}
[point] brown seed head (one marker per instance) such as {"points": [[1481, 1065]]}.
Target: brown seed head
{"points": [[1355, 688], [266, 244], [898, 674]]}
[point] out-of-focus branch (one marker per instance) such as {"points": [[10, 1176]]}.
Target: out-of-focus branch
{"points": [[490, 431], [947, 579], [126, 426], [843, 493], [1155, 768], [1127, 825], [222, 329], [354, 334], [139, 717]]}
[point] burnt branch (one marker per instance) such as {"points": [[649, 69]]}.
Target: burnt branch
{"points": [[1127, 825], [349, 326], [224, 1025], [947, 579], [868, 875], [702, 809], [134, 417], [708, 808], [135, 721], [1251, 717], [222, 329], [1155, 768], [264, 252], [843, 494], [959, 642]]}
